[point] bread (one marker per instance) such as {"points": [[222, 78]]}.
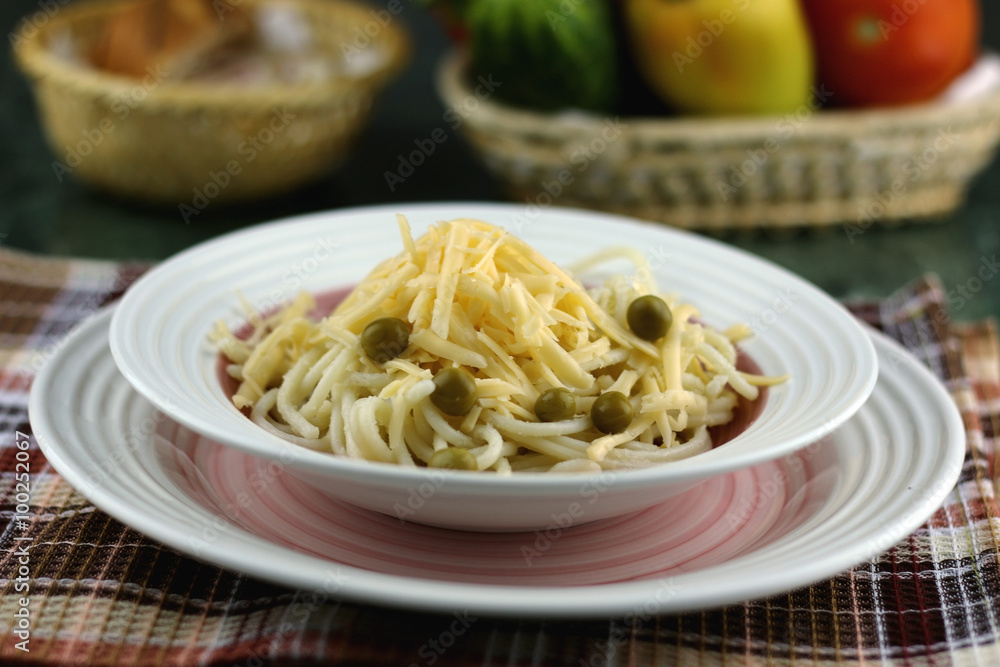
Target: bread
{"points": [[168, 37]]}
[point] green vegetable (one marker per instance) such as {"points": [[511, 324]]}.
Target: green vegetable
{"points": [[611, 412], [649, 317], [454, 391], [454, 458], [385, 338], [544, 54], [554, 405]]}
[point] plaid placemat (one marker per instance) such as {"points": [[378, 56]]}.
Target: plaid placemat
{"points": [[80, 588]]}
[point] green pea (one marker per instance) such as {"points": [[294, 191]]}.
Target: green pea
{"points": [[385, 338], [454, 391], [453, 458], [611, 412], [555, 405], [649, 317]]}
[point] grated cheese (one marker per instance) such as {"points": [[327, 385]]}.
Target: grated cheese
{"points": [[479, 298]]}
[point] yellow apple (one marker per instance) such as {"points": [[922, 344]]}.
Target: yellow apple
{"points": [[723, 56]]}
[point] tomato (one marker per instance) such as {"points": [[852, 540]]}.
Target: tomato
{"points": [[891, 52]]}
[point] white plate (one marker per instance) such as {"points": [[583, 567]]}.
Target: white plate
{"points": [[159, 341], [746, 534]]}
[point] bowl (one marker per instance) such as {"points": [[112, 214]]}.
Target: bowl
{"points": [[159, 340], [194, 142], [809, 168]]}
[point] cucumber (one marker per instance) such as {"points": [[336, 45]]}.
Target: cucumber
{"points": [[545, 54]]}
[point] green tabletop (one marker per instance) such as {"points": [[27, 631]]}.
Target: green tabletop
{"points": [[41, 214]]}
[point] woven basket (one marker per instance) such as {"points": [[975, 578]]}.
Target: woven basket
{"points": [[188, 142], [813, 168]]}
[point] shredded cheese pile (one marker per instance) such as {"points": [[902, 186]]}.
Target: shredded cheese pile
{"points": [[477, 297]]}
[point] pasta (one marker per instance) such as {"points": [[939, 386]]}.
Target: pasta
{"points": [[471, 305]]}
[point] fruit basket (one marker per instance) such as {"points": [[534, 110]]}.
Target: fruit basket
{"points": [[172, 141], [812, 168]]}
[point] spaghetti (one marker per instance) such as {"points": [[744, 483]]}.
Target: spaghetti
{"points": [[471, 297]]}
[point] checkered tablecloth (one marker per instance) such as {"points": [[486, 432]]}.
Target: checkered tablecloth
{"points": [[99, 593]]}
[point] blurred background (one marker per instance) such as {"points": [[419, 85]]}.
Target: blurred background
{"points": [[43, 214]]}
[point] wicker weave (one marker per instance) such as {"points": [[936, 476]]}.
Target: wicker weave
{"points": [[176, 142], [814, 168]]}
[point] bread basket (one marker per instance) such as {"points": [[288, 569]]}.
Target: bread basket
{"points": [[192, 143]]}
